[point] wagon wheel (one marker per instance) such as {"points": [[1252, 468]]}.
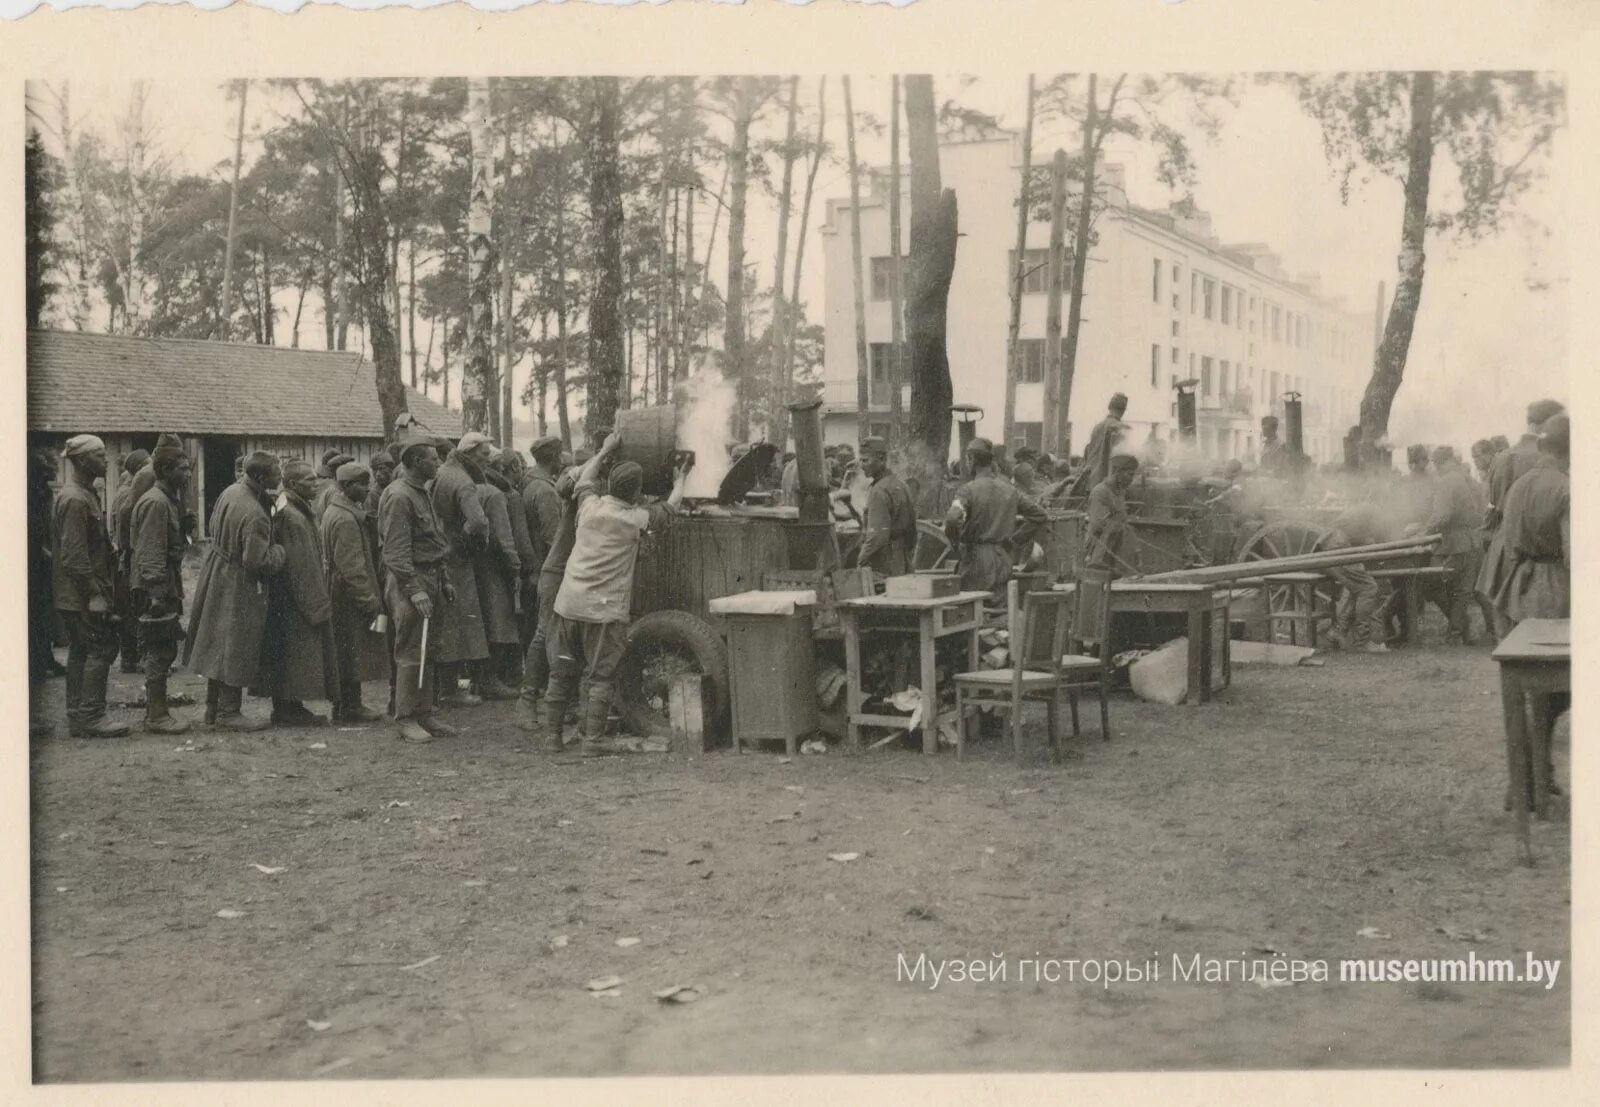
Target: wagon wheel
{"points": [[932, 549], [1291, 538]]}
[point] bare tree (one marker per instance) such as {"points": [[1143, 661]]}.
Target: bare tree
{"points": [[863, 394]]}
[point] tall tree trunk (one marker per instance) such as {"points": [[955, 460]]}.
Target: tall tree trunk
{"points": [[1018, 272], [863, 394], [371, 240], [672, 354], [1093, 135], [711, 247], [543, 378], [477, 377], [733, 325], [689, 173], [400, 164], [444, 363], [427, 359], [233, 214], [602, 142], [299, 306], [934, 222], [267, 310], [563, 419], [341, 290], [506, 282], [800, 242], [662, 288], [1389, 366], [897, 302], [411, 308], [1054, 401], [778, 345]]}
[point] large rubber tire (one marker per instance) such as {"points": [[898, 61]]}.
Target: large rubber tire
{"points": [[660, 645]]}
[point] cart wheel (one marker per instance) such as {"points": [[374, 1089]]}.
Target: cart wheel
{"points": [[932, 549], [663, 645], [1290, 538]]}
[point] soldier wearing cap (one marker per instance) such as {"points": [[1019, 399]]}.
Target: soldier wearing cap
{"points": [[1509, 467], [540, 507], [382, 465], [592, 606], [413, 546], [228, 619], [82, 572], [499, 569], [298, 654], [122, 542], [355, 590], [156, 564], [550, 502], [982, 522], [1105, 535], [889, 525], [458, 624], [1275, 459], [1453, 514], [327, 480], [1537, 533]]}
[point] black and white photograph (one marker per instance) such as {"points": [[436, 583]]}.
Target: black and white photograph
{"points": [[858, 571]]}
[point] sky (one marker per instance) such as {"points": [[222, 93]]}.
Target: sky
{"points": [[1491, 334]]}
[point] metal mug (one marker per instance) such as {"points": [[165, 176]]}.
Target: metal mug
{"points": [[380, 624]]}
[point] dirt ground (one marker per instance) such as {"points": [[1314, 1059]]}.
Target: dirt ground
{"points": [[440, 908]]}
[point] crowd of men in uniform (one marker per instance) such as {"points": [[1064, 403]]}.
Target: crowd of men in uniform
{"points": [[455, 571], [461, 573]]}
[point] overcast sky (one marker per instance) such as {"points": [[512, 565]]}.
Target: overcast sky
{"points": [[1492, 333]]}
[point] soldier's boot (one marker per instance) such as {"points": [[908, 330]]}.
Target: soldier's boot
{"points": [[158, 717], [230, 712], [92, 707], [437, 727], [527, 713], [411, 730], [487, 683], [596, 714], [294, 713], [555, 716], [211, 702]]}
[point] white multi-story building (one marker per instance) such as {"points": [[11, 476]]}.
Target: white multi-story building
{"points": [[1164, 301]]}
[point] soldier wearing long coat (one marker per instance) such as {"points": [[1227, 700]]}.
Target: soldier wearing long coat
{"points": [[298, 662], [350, 565], [457, 629], [228, 621]]}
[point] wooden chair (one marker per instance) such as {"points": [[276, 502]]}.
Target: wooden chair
{"points": [[1091, 625], [1040, 667]]}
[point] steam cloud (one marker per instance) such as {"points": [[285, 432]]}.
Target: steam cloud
{"points": [[706, 404]]}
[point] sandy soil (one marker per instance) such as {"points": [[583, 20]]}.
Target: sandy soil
{"points": [[425, 891]]}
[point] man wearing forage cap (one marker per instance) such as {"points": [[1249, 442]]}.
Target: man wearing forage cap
{"points": [[457, 627], [156, 564], [228, 620], [327, 483], [82, 578], [298, 653], [593, 604], [350, 557], [982, 522], [889, 527], [413, 548]]}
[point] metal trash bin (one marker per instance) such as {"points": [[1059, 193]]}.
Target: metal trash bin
{"points": [[771, 666]]}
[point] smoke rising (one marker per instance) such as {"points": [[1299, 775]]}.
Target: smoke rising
{"points": [[706, 404]]}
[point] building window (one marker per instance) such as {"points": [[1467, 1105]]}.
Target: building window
{"points": [[1277, 323], [1208, 289], [1155, 281], [1252, 315], [1205, 376], [1227, 305], [1222, 379], [1174, 355], [878, 370], [882, 277], [1030, 434], [1155, 362], [1174, 328], [1030, 360], [1194, 293], [1272, 397], [878, 430], [1035, 270]]}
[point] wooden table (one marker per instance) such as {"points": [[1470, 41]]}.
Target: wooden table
{"points": [[929, 620], [1200, 603], [1535, 662], [1408, 580]]}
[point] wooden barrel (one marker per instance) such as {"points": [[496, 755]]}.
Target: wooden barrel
{"points": [[649, 436]]}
